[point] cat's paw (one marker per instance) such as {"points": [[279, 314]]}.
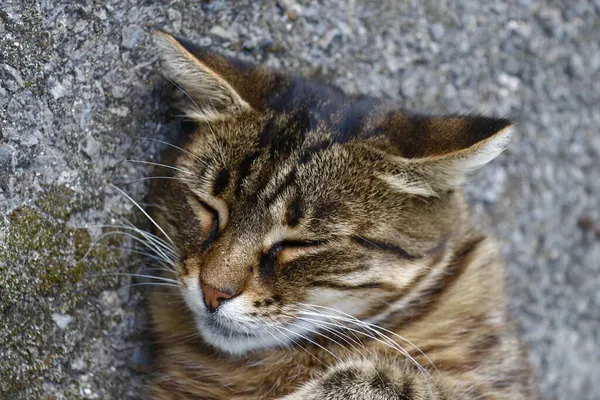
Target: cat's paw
{"points": [[364, 380]]}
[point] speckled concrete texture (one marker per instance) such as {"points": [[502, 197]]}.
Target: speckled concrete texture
{"points": [[79, 86]]}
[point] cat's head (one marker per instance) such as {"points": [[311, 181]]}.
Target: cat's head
{"points": [[292, 200]]}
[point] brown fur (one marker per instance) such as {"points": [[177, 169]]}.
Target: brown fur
{"points": [[290, 192]]}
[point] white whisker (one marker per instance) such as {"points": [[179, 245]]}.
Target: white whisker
{"points": [[350, 319], [147, 243], [154, 177], [299, 345], [159, 269], [186, 93], [145, 213], [153, 238], [373, 326], [156, 164], [161, 261], [152, 284], [388, 342], [130, 227], [139, 276], [311, 341], [167, 143], [343, 328]]}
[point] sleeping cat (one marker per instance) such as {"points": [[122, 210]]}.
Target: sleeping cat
{"points": [[319, 247]]}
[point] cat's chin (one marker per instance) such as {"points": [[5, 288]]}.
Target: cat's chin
{"points": [[229, 332], [238, 343]]}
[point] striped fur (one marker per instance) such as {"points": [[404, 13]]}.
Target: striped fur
{"points": [[336, 228]]}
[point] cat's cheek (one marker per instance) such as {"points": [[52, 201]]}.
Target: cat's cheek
{"points": [[192, 295], [354, 304], [237, 310]]}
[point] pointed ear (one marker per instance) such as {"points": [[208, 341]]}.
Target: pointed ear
{"points": [[442, 151], [213, 97]]}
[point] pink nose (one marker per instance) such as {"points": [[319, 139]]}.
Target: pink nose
{"points": [[213, 297]]}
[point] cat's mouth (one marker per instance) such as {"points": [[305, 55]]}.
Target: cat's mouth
{"points": [[235, 339], [230, 330], [217, 325]]}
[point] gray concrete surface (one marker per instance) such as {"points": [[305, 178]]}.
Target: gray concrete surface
{"points": [[78, 83]]}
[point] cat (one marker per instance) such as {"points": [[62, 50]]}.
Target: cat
{"points": [[319, 246]]}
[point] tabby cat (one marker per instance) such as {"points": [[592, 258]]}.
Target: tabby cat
{"points": [[320, 247]]}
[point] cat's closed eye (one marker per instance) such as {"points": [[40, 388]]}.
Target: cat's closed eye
{"points": [[286, 251], [208, 218], [289, 250]]}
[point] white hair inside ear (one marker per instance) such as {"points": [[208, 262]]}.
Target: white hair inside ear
{"points": [[485, 151], [429, 176], [211, 96], [450, 171], [409, 184]]}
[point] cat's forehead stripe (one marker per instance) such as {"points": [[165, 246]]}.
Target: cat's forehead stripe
{"points": [[244, 170], [344, 115], [307, 154], [289, 180]]}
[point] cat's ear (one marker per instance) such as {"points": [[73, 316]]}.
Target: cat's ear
{"points": [[443, 150], [202, 76]]}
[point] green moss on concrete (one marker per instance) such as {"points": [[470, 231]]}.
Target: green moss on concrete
{"points": [[31, 232], [50, 249], [53, 251], [45, 266], [81, 242], [61, 201]]}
